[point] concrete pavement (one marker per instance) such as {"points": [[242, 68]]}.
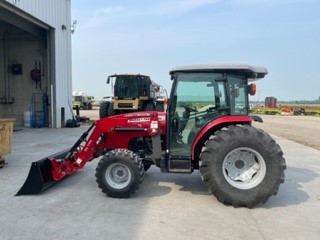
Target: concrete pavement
{"points": [[167, 206]]}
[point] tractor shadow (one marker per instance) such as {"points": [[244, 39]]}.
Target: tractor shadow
{"points": [[158, 184], [155, 183], [295, 190]]}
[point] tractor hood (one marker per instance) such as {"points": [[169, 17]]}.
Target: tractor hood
{"points": [[139, 119]]}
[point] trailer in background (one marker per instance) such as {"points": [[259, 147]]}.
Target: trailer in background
{"points": [[270, 102]]}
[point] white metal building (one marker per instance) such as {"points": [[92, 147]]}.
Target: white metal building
{"points": [[35, 62]]}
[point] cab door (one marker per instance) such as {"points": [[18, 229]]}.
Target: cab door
{"points": [[194, 98]]}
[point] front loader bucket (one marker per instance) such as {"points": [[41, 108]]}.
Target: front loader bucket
{"points": [[40, 176]]}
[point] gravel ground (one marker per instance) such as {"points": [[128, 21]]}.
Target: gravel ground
{"points": [[301, 129]]}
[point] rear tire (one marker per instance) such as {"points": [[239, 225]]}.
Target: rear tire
{"points": [[242, 166], [111, 110], [119, 173]]}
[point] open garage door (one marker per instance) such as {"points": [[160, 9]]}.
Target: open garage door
{"points": [[26, 68]]}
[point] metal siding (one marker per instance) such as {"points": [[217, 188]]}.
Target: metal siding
{"points": [[56, 13], [45, 10]]}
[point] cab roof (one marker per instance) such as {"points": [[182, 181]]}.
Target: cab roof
{"points": [[129, 75], [251, 72]]}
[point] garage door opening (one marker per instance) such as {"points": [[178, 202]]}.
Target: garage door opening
{"points": [[25, 86]]}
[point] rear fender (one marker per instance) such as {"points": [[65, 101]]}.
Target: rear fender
{"points": [[214, 126]]}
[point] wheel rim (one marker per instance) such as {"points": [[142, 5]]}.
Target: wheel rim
{"points": [[244, 168], [118, 175]]}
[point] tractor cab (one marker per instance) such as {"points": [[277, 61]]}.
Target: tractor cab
{"points": [[200, 96]]}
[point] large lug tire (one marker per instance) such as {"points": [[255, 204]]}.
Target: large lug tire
{"points": [[111, 110], [119, 173], [103, 110], [242, 166]]}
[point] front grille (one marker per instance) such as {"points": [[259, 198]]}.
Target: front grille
{"points": [[125, 105]]}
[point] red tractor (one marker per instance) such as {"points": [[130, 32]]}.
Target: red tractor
{"points": [[206, 126]]}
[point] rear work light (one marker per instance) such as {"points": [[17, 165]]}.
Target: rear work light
{"points": [[252, 88]]}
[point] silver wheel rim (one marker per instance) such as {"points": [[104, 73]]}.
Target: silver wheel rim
{"points": [[118, 175], [244, 168]]}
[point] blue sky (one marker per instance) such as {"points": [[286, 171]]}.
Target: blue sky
{"points": [[151, 37]]}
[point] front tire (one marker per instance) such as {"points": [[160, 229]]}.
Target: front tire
{"points": [[119, 173], [103, 110], [242, 166]]}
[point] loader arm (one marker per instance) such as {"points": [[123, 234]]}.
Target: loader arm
{"points": [[49, 170], [84, 150], [103, 134], [91, 144]]}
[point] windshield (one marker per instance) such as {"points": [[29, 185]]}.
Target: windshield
{"points": [[126, 87], [201, 91], [77, 98]]}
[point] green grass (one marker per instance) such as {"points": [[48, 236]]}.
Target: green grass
{"points": [[309, 111]]}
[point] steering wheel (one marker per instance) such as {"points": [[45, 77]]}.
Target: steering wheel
{"points": [[190, 109]]}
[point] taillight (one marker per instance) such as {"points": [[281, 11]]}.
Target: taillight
{"points": [[165, 104]]}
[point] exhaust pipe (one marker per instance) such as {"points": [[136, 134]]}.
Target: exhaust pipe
{"points": [[40, 175]]}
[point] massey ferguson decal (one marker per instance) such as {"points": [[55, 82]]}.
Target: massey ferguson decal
{"points": [[142, 119]]}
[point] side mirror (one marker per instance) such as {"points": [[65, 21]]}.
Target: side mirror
{"points": [[108, 80]]}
